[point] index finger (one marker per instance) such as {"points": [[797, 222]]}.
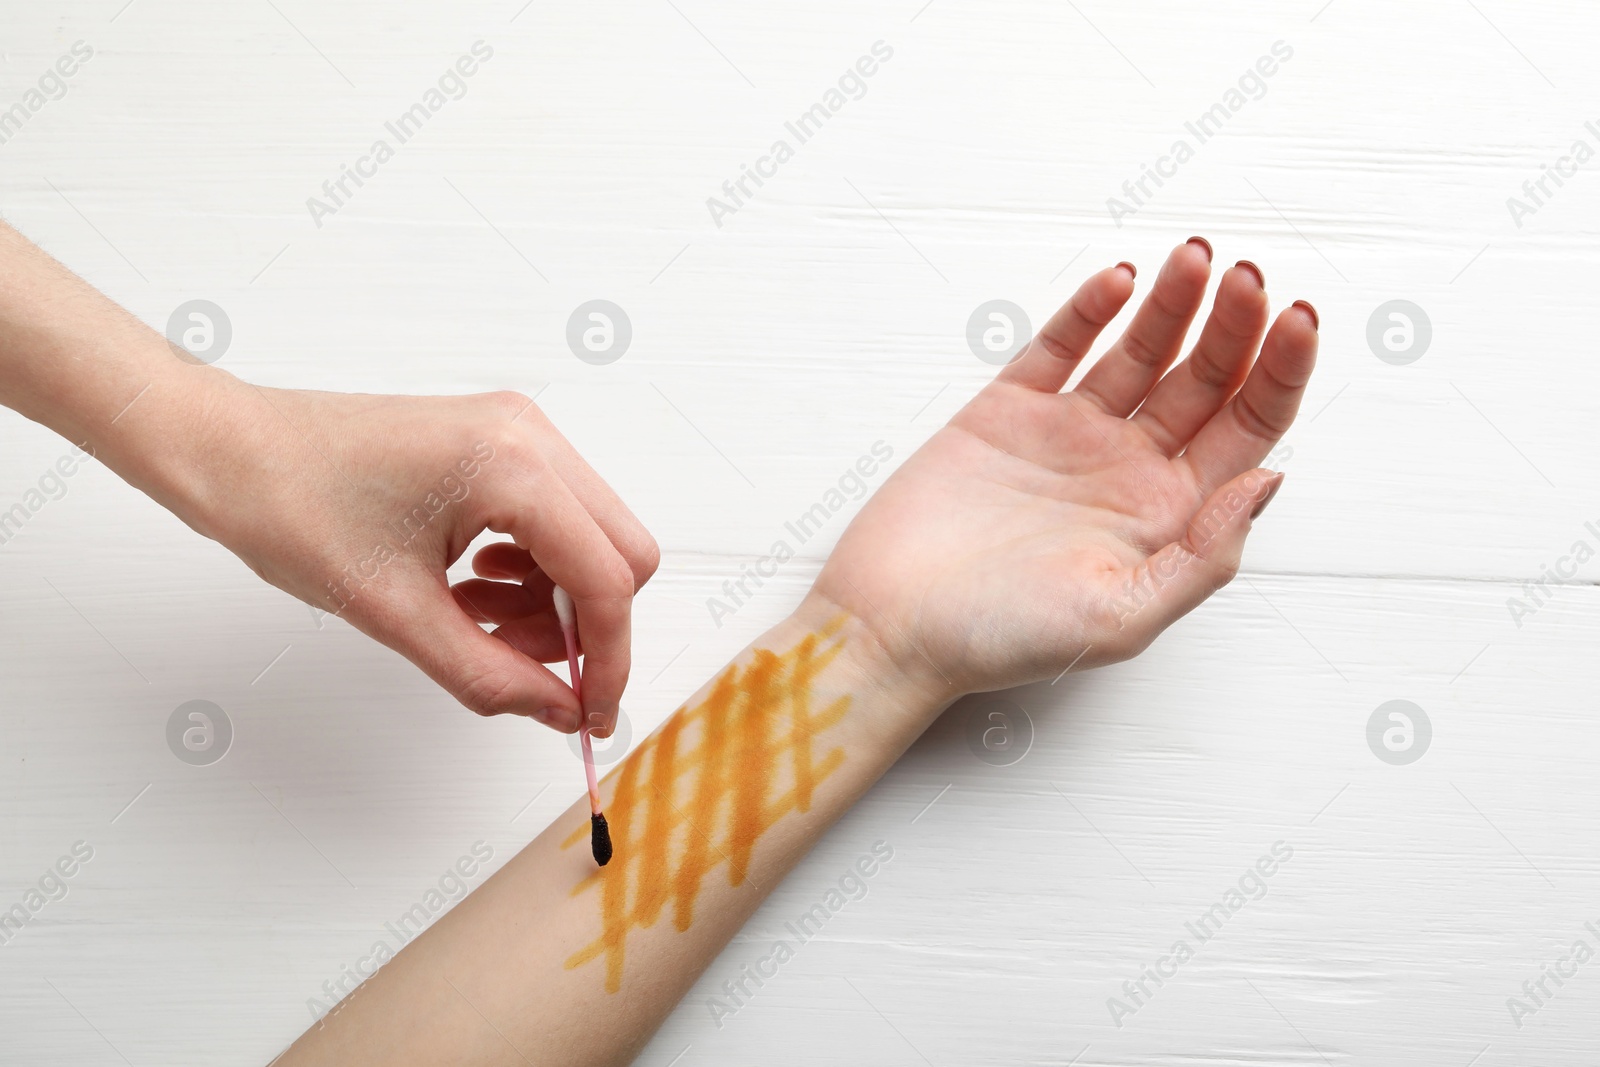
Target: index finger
{"points": [[539, 511], [1242, 434], [613, 516]]}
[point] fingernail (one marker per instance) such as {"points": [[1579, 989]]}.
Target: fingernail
{"points": [[558, 718], [1133, 272], [1261, 279], [1203, 243], [1277, 481], [1316, 323]]}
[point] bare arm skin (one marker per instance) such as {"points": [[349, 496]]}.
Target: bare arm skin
{"points": [[1037, 531], [353, 503]]}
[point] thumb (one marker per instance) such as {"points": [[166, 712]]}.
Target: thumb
{"points": [[481, 670], [1178, 578]]}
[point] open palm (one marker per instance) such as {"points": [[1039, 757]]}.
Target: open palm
{"points": [[1040, 530]]}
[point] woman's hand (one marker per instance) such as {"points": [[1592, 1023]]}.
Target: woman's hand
{"points": [[1042, 530], [357, 504]]}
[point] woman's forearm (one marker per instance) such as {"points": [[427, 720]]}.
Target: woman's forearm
{"points": [[71, 359], [556, 961]]}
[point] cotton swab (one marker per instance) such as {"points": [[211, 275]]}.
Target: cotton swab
{"points": [[599, 832]]}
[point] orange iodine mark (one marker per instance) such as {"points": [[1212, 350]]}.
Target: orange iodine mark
{"points": [[756, 720]]}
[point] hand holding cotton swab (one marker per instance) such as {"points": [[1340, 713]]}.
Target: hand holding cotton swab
{"points": [[599, 832]]}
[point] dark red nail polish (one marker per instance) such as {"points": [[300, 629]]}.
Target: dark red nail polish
{"points": [[1316, 322], [1133, 272], [1261, 279], [1203, 243], [1277, 483]]}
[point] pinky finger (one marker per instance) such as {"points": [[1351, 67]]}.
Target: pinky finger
{"points": [[1047, 361]]}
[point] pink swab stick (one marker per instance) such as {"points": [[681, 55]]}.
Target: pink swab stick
{"points": [[599, 832]]}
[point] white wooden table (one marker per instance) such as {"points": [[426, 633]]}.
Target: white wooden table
{"points": [[828, 311]]}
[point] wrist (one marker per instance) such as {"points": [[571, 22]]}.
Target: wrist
{"points": [[905, 698], [172, 426]]}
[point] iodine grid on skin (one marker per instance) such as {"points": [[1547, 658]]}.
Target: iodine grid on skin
{"points": [[746, 756]]}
